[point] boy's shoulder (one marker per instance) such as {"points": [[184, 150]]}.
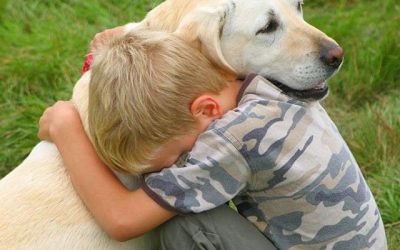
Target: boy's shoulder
{"points": [[260, 103]]}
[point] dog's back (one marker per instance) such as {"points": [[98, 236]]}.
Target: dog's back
{"points": [[40, 209]]}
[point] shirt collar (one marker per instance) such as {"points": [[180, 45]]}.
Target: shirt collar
{"points": [[256, 86], [249, 78]]}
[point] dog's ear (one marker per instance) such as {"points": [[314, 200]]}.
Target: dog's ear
{"points": [[202, 29]]}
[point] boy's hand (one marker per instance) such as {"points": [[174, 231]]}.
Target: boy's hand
{"points": [[61, 119], [99, 40], [104, 36]]}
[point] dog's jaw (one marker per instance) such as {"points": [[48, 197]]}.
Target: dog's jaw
{"points": [[318, 92]]}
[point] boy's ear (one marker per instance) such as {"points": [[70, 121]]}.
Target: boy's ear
{"points": [[206, 107]]}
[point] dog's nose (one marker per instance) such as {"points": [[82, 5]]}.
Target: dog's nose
{"points": [[331, 55]]}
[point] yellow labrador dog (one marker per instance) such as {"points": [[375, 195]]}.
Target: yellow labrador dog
{"points": [[38, 206]]}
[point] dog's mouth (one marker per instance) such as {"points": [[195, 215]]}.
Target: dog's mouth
{"points": [[317, 92]]}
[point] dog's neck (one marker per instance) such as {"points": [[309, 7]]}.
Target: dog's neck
{"points": [[162, 18], [80, 98]]}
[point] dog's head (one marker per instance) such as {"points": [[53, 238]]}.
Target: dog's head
{"points": [[267, 37]]}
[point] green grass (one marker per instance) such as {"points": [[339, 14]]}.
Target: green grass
{"points": [[42, 45]]}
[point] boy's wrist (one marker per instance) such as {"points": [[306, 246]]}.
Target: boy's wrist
{"points": [[130, 27], [66, 130]]}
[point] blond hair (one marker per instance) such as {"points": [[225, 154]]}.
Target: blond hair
{"points": [[141, 88]]}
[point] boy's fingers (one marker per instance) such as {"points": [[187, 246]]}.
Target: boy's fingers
{"points": [[42, 126], [94, 44], [51, 115], [103, 37], [41, 134]]}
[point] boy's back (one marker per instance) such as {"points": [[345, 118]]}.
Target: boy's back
{"points": [[288, 168]]}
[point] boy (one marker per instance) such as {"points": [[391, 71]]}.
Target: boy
{"points": [[282, 160], [135, 100], [150, 96]]}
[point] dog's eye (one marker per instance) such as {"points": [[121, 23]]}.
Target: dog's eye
{"points": [[271, 27]]}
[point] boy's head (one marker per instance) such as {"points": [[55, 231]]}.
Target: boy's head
{"points": [[142, 92]]}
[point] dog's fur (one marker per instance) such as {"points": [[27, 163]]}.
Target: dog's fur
{"points": [[39, 208]]}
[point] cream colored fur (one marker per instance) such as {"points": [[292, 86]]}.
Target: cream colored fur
{"points": [[40, 209], [38, 206]]}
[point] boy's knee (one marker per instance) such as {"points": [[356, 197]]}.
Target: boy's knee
{"points": [[220, 228], [181, 226], [172, 226], [190, 233]]}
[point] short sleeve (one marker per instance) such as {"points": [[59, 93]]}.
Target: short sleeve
{"points": [[213, 173]]}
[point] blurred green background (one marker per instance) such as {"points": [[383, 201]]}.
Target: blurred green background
{"points": [[43, 43]]}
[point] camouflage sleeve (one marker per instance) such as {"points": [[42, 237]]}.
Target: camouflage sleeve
{"points": [[213, 173]]}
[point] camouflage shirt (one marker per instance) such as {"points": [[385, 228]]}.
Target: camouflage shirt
{"points": [[287, 169]]}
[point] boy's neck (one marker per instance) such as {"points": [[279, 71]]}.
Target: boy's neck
{"points": [[228, 76], [227, 97], [245, 83]]}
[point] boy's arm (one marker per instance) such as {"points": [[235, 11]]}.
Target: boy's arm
{"points": [[121, 213], [213, 172], [105, 36], [102, 38]]}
